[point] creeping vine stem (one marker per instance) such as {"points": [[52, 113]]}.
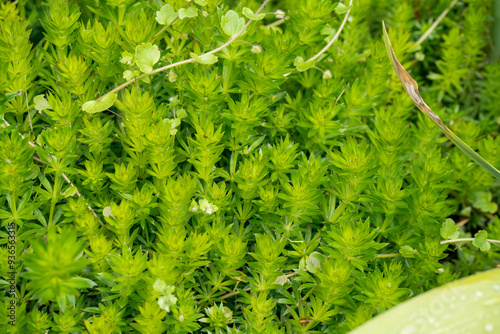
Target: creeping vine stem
{"points": [[186, 61]]}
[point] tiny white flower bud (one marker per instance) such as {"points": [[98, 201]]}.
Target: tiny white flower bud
{"points": [[280, 14], [256, 49], [327, 74]]}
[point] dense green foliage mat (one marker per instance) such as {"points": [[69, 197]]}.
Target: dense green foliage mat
{"points": [[221, 166]]}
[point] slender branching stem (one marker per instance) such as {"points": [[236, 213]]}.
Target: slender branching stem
{"points": [[495, 242], [381, 256], [327, 46], [338, 211], [275, 23], [335, 37], [54, 198], [186, 61], [340, 208]]}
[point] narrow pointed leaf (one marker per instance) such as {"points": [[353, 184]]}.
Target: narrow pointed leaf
{"points": [[411, 88]]}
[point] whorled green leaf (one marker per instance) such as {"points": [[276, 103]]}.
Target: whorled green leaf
{"points": [[166, 15], [411, 88], [469, 305], [251, 15], [93, 107], [6, 98], [10, 96], [146, 55], [231, 23]]}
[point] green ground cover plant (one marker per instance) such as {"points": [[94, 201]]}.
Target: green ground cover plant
{"points": [[220, 166]]}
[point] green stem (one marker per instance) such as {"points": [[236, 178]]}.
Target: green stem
{"points": [[495, 32], [14, 207], [226, 77], [495, 242], [54, 199], [275, 23], [338, 211], [335, 37], [381, 256], [20, 121], [317, 55], [121, 15], [341, 207]]}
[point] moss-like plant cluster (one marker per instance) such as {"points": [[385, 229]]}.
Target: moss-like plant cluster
{"points": [[222, 166]]}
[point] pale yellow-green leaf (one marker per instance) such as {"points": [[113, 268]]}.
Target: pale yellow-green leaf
{"points": [[251, 15], [231, 23], [188, 12], [166, 15], [41, 103], [93, 107], [468, 305], [146, 55]]}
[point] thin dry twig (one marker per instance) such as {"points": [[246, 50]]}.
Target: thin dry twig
{"points": [[436, 23], [411, 88], [463, 222]]}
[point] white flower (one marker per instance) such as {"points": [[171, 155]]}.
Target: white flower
{"points": [[208, 207], [327, 74], [165, 302], [159, 286]]}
